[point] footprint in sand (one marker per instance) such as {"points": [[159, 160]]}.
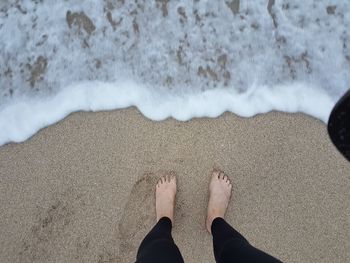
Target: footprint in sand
{"points": [[51, 224]]}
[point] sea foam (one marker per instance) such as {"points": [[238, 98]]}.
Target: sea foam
{"points": [[20, 120], [180, 59]]}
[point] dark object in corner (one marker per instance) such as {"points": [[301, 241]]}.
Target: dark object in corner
{"points": [[339, 125]]}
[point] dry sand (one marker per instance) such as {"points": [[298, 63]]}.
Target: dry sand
{"points": [[82, 190]]}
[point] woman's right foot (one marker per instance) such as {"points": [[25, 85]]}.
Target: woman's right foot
{"points": [[220, 189]]}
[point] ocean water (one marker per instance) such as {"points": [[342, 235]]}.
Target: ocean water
{"points": [[180, 59]]}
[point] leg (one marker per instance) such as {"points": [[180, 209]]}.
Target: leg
{"points": [[158, 246], [229, 244]]}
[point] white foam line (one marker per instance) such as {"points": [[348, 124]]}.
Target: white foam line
{"points": [[24, 117]]}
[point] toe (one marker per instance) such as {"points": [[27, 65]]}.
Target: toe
{"points": [[215, 173], [219, 175], [159, 182]]}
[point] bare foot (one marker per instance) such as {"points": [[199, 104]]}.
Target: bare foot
{"points": [[220, 189], [165, 197]]}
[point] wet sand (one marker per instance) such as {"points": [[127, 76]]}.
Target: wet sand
{"points": [[82, 190]]}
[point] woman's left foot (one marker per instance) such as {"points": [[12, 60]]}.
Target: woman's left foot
{"points": [[220, 189], [165, 197]]}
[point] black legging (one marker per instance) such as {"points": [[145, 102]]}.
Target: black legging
{"points": [[229, 245]]}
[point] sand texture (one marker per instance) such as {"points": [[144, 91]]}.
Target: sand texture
{"points": [[82, 190]]}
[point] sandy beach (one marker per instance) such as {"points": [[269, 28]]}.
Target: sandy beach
{"points": [[83, 190]]}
